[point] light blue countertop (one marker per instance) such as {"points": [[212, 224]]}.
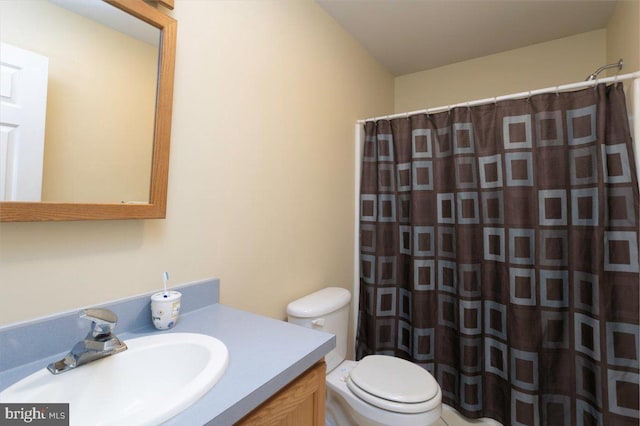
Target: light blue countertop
{"points": [[264, 354]]}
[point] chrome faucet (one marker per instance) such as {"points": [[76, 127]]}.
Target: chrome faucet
{"points": [[99, 342]]}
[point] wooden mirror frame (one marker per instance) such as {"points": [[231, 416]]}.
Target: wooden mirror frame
{"points": [[19, 211]]}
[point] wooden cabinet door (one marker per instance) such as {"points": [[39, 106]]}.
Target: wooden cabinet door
{"points": [[300, 403]]}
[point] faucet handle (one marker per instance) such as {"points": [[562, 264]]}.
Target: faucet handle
{"points": [[103, 320]]}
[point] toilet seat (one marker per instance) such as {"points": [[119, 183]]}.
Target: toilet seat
{"points": [[393, 384]]}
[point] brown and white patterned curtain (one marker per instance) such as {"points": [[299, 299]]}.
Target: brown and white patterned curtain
{"points": [[499, 251]]}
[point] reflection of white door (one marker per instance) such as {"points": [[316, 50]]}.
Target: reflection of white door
{"points": [[23, 103]]}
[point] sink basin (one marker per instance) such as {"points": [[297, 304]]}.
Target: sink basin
{"points": [[156, 378]]}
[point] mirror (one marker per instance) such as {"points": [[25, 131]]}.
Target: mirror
{"points": [[129, 114]]}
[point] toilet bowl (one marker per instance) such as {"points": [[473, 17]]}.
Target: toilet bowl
{"points": [[379, 390]]}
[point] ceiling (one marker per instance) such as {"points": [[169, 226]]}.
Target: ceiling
{"points": [[113, 18], [407, 36]]}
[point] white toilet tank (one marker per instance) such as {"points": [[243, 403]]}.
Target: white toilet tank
{"points": [[325, 310]]}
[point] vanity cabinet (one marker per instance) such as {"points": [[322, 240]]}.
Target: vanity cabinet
{"points": [[300, 403]]}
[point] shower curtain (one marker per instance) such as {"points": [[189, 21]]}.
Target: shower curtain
{"points": [[499, 251]]}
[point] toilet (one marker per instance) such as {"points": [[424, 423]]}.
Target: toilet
{"points": [[378, 390]]}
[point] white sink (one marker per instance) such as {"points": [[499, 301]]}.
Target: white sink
{"points": [[155, 379]]}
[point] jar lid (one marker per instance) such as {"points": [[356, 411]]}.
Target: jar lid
{"points": [[169, 296]]}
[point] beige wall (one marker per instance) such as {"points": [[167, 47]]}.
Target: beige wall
{"points": [[261, 172], [262, 163], [101, 89], [623, 36], [560, 61]]}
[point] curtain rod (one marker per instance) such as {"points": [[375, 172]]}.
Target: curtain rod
{"points": [[571, 86]]}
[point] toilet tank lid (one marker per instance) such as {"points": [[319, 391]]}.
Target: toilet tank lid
{"points": [[321, 302]]}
